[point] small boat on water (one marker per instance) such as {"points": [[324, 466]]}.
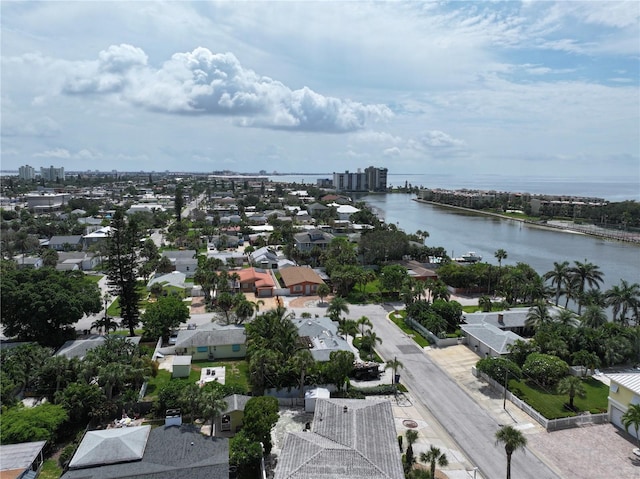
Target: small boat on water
{"points": [[470, 257]]}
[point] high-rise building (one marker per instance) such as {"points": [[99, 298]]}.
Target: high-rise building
{"points": [[52, 174], [27, 173], [372, 179]]}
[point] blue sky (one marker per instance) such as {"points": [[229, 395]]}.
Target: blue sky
{"points": [[509, 88]]}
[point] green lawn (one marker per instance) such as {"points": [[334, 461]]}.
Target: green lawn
{"points": [[398, 319], [236, 374], [551, 405], [94, 278], [50, 470]]}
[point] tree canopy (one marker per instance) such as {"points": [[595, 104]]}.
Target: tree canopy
{"points": [[42, 305]]}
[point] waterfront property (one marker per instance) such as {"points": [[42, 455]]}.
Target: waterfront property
{"points": [[624, 390]]}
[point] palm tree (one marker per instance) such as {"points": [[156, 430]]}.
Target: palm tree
{"points": [[337, 306], [348, 328], [211, 405], [588, 274], [485, 303], [632, 418], [512, 440], [538, 315], [362, 322], [434, 457], [559, 277], [410, 460], [623, 298], [394, 364], [500, 255], [572, 386], [567, 318], [594, 317], [369, 341], [302, 361], [586, 359]]}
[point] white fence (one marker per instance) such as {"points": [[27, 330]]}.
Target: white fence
{"points": [[425, 333], [548, 424]]}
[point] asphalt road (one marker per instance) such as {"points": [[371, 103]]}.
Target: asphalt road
{"points": [[467, 422]]}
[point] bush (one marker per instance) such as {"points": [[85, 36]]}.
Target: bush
{"points": [[545, 369], [497, 368], [66, 455]]}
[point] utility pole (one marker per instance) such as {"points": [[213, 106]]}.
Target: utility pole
{"points": [[504, 399]]}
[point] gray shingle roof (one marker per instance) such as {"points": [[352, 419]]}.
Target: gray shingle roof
{"points": [[357, 442], [19, 456], [171, 452], [211, 335]]}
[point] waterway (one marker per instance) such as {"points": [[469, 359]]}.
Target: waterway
{"points": [[460, 231]]}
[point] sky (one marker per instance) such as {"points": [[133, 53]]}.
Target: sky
{"points": [[514, 88]]}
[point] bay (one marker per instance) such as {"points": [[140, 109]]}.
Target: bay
{"points": [[460, 231]]}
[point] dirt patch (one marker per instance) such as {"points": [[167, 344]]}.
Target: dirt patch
{"points": [[198, 306]]}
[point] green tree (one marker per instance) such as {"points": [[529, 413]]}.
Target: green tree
{"points": [[545, 369], [178, 203], [572, 386], [339, 367], [122, 272], [245, 454], [26, 424], [500, 255], [363, 322], [499, 368], [301, 362], [623, 298], [49, 258], [42, 305], [586, 359], [409, 458], [586, 274], [631, 418], [80, 399], [392, 277], [512, 440], [211, 405], [337, 306], [593, 317], [485, 303], [167, 313], [434, 456], [323, 291], [260, 415], [395, 365], [369, 341], [537, 315], [560, 277]]}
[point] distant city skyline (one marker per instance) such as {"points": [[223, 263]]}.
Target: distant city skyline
{"points": [[508, 88]]}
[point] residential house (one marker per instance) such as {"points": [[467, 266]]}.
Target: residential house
{"points": [[265, 257], [624, 390], [257, 281], [28, 262], [491, 334], [231, 419], [301, 280], [21, 461], [70, 265], [165, 452], [316, 208], [97, 236], [210, 341], [230, 258], [417, 270], [85, 261], [320, 336], [347, 438], [183, 261], [78, 348], [66, 243], [345, 211], [308, 240], [175, 279]]}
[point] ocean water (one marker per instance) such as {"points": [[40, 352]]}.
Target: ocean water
{"points": [[609, 188]]}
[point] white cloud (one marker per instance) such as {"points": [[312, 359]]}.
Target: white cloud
{"points": [[202, 82]]}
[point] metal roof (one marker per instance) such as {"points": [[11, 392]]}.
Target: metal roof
{"points": [[628, 380]]}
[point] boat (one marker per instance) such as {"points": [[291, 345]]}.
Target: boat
{"points": [[470, 257]]}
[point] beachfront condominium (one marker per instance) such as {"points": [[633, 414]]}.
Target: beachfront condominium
{"points": [[372, 179], [27, 173], [52, 174]]}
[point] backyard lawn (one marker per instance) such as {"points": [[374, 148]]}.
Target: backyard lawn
{"points": [[236, 374], [551, 405]]}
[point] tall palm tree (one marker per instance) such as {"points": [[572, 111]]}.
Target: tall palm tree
{"points": [[588, 274], [394, 364], [410, 460], [623, 298], [567, 317], [572, 386], [434, 457], [337, 306], [362, 322], [512, 440], [559, 277], [632, 418], [500, 255], [302, 361], [348, 328], [485, 303], [212, 405]]}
